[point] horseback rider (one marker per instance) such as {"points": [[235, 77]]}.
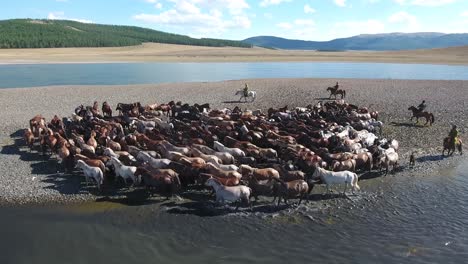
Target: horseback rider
{"points": [[422, 106], [246, 90], [337, 86], [453, 136]]}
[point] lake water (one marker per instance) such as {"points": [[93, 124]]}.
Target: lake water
{"points": [[414, 220], [31, 75]]}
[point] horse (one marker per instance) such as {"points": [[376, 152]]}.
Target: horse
{"points": [[167, 179], [260, 174], [251, 94], [230, 193], [416, 113], [236, 152], [389, 159], [221, 173], [334, 91], [451, 147], [225, 167], [285, 190], [106, 110], [154, 163], [29, 138], [91, 172], [330, 177], [124, 172]]}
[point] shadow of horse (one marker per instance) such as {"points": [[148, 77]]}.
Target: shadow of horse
{"points": [[430, 158], [371, 175], [406, 124], [234, 102], [324, 99]]}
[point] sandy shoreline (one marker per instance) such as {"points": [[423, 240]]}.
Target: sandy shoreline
{"points": [[154, 52], [29, 178]]}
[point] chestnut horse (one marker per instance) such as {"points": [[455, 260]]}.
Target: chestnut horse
{"points": [[451, 147], [416, 113]]}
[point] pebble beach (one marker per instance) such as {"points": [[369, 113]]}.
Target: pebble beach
{"points": [[29, 178]]}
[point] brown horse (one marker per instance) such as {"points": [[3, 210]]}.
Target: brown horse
{"points": [[334, 91], [106, 109], [451, 147], [418, 114], [292, 189]]}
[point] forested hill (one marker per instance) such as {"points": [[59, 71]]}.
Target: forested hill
{"points": [[33, 33]]}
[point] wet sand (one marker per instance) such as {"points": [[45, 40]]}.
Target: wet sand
{"points": [[30, 178], [154, 52]]}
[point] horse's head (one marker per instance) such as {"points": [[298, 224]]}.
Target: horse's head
{"points": [[212, 182]]}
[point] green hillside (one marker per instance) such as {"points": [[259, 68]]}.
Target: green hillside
{"points": [[33, 33]]}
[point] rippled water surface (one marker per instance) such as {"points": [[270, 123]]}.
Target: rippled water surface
{"points": [[404, 219], [31, 75]]}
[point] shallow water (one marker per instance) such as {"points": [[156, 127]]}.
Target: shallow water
{"points": [[404, 219], [32, 75]]}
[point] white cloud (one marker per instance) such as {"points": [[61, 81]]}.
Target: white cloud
{"points": [[201, 17], [425, 2], [341, 3], [308, 9], [464, 14], [61, 16], [297, 29], [356, 27], [410, 23], [265, 3], [156, 3], [284, 25]]}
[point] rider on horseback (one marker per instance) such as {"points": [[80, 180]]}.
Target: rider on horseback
{"points": [[453, 136], [337, 86], [422, 106], [246, 90]]}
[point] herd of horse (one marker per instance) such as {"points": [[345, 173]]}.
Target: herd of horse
{"points": [[168, 148]]}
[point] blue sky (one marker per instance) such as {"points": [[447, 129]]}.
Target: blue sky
{"points": [[239, 19]]}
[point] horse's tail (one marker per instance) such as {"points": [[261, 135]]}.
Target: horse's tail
{"points": [[432, 118], [355, 181]]}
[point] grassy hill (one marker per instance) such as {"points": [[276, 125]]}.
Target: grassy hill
{"points": [[33, 33], [392, 41]]}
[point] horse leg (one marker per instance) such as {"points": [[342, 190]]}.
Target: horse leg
{"points": [[345, 186]]}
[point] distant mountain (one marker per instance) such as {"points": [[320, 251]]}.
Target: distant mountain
{"points": [[35, 33], [392, 41]]}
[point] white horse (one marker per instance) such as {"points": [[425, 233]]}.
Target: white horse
{"points": [[251, 94], [236, 152], [230, 194], [340, 177], [387, 160], [91, 172], [154, 163], [116, 154], [125, 172]]}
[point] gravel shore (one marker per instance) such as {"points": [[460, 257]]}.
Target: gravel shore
{"points": [[27, 177]]}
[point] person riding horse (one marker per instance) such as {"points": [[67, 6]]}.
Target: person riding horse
{"points": [[336, 86], [453, 135], [422, 106], [246, 90]]}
